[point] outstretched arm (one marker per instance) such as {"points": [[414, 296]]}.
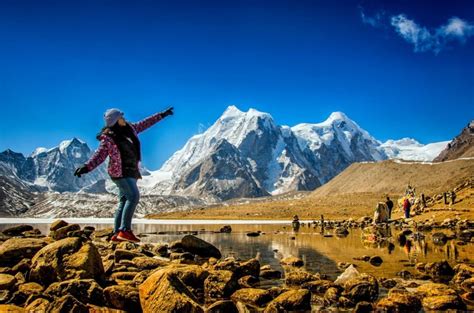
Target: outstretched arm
{"points": [[99, 155], [151, 120]]}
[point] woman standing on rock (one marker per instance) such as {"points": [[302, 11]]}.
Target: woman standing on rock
{"points": [[119, 141]]}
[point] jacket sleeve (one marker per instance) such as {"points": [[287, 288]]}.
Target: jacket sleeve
{"points": [[147, 122], [99, 155]]}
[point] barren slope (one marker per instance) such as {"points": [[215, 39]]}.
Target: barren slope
{"points": [[353, 193], [393, 176], [462, 146]]}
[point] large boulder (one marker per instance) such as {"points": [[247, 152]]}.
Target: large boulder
{"points": [[434, 289], [293, 300], [292, 261], [200, 247], [85, 263], [10, 308], [298, 278], [252, 296], [362, 288], [7, 281], [123, 298], [38, 305], [165, 292], [220, 285], [439, 271], [193, 276], [443, 303], [66, 259], [57, 225], [463, 272], [67, 304], [84, 290], [400, 302], [123, 254], [468, 285], [318, 286], [250, 267], [228, 264], [14, 250], [31, 288], [222, 306], [17, 230], [148, 263], [64, 232]]}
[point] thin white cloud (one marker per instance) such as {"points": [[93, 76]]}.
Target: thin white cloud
{"points": [[422, 38], [376, 20], [457, 29]]}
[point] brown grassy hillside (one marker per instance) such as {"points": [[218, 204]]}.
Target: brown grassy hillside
{"points": [[353, 193], [392, 177]]}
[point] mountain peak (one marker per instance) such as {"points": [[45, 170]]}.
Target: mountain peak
{"points": [[72, 142], [232, 111], [338, 115]]}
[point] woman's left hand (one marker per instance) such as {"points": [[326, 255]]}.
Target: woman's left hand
{"points": [[167, 112]]}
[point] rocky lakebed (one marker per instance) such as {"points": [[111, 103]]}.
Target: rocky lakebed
{"points": [[74, 268]]}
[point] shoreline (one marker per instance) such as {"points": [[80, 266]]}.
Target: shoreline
{"points": [[29, 220]]}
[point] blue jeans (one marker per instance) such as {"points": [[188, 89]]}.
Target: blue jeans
{"points": [[128, 200], [407, 213]]}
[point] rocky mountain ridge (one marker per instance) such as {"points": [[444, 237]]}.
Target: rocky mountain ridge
{"points": [[242, 155]]}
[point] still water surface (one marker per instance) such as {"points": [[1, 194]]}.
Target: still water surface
{"points": [[320, 252]]}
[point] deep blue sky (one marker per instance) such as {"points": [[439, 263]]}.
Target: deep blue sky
{"points": [[63, 63]]}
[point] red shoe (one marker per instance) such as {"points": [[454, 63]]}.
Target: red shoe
{"points": [[127, 235], [115, 238]]}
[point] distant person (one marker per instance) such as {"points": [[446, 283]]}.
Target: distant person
{"points": [[453, 197], [295, 223], [423, 200], [406, 207], [119, 141], [389, 204]]}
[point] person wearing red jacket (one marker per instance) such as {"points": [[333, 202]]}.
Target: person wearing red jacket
{"points": [[119, 141]]}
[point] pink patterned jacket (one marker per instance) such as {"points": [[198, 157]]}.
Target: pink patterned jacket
{"points": [[108, 148]]}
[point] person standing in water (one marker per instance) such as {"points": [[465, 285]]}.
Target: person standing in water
{"points": [[119, 141]]}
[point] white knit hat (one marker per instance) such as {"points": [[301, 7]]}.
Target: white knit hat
{"points": [[111, 116]]}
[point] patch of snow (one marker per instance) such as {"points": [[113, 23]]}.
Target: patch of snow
{"points": [[411, 150], [42, 181], [37, 151], [275, 167]]}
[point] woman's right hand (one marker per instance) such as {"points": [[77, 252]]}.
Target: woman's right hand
{"points": [[81, 170]]}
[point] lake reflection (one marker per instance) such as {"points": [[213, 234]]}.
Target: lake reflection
{"points": [[320, 253]]}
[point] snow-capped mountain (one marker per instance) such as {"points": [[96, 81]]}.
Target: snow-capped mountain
{"points": [[336, 143], [222, 174], [411, 150], [275, 159], [53, 169], [243, 154], [270, 158]]}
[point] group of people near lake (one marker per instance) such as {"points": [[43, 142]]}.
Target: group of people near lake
{"points": [[383, 210], [408, 203]]}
